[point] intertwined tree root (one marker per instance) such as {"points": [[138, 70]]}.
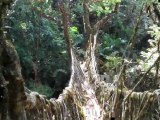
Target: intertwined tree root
{"points": [[84, 96]]}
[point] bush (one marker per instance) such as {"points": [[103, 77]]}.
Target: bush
{"points": [[40, 88]]}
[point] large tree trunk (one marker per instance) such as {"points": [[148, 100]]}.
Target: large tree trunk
{"points": [[86, 97]]}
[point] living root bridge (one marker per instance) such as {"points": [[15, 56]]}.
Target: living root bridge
{"points": [[67, 107], [86, 98]]}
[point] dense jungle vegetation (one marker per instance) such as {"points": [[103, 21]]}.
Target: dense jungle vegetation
{"points": [[36, 30], [70, 47]]}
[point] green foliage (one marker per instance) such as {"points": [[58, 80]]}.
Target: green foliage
{"points": [[77, 8], [111, 44], [111, 41], [146, 61], [115, 1], [23, 26], [103, 7], [37, 32], [100, 8], [113, 61], [38, 36], [152, 53], [41, 89], [155, 32], [73, 32]]}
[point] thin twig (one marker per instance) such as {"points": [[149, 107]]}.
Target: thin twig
{"points": [[116, 82]]}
